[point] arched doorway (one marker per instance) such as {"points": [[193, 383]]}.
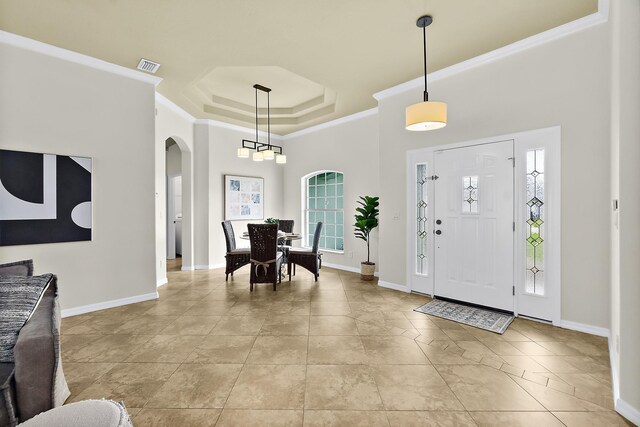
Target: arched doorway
{"points": [[179, 205]]}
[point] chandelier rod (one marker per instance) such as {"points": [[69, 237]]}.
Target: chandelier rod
{"points": [[256, 90]]}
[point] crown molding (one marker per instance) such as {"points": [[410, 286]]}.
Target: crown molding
{"points": [[237, 128], [163, 100], [547, 36], [332, 123], [601, 16], [75, 57]]}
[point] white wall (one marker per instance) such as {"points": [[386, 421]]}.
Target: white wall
{"points": [[49, 105], [563, 82], [625, 230], [350, 148], [215, 153], [174, 161], [177, 191]]}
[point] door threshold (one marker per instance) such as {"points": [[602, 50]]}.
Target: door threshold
{"points": [[536, 319], [470, 304], [422, 294]]}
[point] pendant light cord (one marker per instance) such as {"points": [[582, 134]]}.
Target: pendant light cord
{"points": [[268, 121], [424, 45]]}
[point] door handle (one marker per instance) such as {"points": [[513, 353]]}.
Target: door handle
{"points": [[438, 232]]}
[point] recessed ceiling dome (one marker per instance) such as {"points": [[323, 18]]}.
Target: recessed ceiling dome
{"points": [[227, 93]]}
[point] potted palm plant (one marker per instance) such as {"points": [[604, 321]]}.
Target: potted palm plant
{"points": [[366, 220]]}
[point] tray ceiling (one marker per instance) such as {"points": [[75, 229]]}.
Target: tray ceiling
{"points": [[323, 59]]}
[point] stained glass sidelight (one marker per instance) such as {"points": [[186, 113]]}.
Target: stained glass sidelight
{"points": [[534, 282], [470, 194], [421, 219]]}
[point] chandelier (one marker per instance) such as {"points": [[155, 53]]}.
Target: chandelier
{"points": [[263, 151]]}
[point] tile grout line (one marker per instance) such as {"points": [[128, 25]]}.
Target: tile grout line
{"points": [[373, 321]]}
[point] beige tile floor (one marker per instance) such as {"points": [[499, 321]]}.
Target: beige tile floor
{"points": [[336, 352]]}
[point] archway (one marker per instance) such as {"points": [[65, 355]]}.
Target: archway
{"points": [[179, 204]]}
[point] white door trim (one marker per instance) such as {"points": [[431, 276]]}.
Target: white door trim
{"points": [[522, 141]]}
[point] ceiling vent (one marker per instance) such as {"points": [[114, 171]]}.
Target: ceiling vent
{"points": [[148, 66]]}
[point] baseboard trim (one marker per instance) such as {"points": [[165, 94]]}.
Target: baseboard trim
{"points": [[345, 268], [108, 304], [394, 286], [187, 268], [615, 381], [587, 329], [627, 411], [208, 267], [621, 407], [161, 282]]}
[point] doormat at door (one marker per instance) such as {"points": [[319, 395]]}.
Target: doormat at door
{"points": [[473, 316]]}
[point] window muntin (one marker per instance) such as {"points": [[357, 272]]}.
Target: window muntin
{"points": [[325, 203]]}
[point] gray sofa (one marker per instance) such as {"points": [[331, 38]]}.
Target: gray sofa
{"points": [[35, 382]]}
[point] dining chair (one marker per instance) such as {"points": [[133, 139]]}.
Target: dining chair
{"points": [[286, 225], [235, 257], [266, 260], [307, 258]]}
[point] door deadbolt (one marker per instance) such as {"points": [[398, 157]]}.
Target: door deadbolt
{"points": [[438, 221]]}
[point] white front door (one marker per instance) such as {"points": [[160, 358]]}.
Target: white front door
{"points": [[474, 228]]}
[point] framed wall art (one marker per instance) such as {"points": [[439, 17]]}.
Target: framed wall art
{"points": [[44, 198], [243, 198]]}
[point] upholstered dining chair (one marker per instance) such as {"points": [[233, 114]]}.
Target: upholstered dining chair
{"points": [[307, 258], [266, 260], [286, 225], [236, 257]]}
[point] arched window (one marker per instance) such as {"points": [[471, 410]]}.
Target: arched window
{"points": [[324, 202]]}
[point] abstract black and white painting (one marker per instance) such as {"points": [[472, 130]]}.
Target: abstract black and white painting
{"points": [[44, 198]]}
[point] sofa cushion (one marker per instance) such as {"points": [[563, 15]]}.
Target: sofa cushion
{"points": [[18, 268], [19, 297], [87, 413]]}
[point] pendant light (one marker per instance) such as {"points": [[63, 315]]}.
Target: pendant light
{"points": [[263, 151], [426, 115]]}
